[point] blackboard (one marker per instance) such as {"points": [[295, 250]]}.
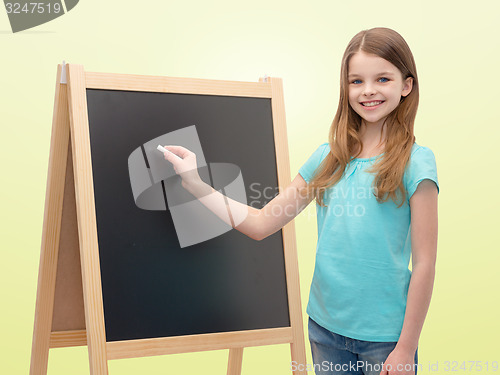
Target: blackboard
{"points": [[152, 287], [114, 275]]}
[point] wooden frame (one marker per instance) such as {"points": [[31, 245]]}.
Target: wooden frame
{"points": [[69, 260]]}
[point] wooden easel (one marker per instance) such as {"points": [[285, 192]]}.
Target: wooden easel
{"points": [[69, 305]]}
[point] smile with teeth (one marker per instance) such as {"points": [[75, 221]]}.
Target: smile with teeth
{"points": [[372, 104]]}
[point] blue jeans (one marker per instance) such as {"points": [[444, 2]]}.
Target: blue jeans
{"points": [[334, 354]]}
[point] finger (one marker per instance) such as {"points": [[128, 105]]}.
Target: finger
{"points": [[172, 158], [179, 150], [169, 157]]}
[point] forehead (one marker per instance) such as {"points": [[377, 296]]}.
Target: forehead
{"points": [[364, 64]]}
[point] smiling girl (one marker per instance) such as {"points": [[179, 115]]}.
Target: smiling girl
{"points": [[366, 308]]}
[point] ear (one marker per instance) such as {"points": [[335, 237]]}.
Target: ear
{"points": [[408, 85]]}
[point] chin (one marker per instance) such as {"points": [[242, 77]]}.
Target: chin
{"points": [[372, 120]]}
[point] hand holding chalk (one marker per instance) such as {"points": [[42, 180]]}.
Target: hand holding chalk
{"points": [[164, 150], [183, 161]]}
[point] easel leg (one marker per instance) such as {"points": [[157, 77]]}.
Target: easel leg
{"points": [[87, 226], [235, 360], [299, 358], [51, 232]]}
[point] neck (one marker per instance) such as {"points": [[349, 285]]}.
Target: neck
{"points": [[372, 137]]}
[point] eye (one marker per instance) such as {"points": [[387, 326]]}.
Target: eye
{"points": [[356, 80], [386, 79]]}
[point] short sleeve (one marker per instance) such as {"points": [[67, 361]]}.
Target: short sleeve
{"points": [[422, 166], [309, 167]]}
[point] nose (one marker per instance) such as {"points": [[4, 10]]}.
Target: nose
{"points": [[368, 90]]}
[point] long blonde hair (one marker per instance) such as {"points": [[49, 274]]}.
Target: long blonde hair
{"points": [[344, 135]]}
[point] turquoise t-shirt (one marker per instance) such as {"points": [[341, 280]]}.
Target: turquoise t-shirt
{"points": [[361, 276]]}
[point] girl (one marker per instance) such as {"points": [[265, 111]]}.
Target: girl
{"points": [[376, 198]]}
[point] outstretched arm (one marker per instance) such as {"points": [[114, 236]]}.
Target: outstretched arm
{"points": [[255, 223]]}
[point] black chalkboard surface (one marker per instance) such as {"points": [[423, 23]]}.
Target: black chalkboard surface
{"points": [[152, 287]]}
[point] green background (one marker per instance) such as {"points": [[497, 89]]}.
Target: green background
{"points": [[456, 50]]}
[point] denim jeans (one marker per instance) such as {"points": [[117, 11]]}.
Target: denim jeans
{"points": [[335, 354]]}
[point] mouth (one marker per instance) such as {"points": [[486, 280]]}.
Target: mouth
{"points": [[372, 104]]}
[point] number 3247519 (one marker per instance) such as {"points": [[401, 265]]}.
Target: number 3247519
{"points": [[471, 366], [18, 8]]}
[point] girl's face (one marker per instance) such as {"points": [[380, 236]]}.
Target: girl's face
{"points": [[375, 87]]}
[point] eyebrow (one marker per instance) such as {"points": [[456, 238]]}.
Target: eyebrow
{"points": [[379, 74]]}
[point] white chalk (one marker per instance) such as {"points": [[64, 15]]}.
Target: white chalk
{"points": [[163, 149]]}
